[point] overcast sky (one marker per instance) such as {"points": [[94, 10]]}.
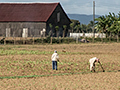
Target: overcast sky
{"points": [[102, 7]]}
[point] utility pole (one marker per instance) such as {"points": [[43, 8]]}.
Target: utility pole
{"points": [[93, 20]]}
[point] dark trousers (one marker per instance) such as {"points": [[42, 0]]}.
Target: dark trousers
{"points": [[54, 65]]}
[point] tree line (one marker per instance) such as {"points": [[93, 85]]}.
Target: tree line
{"points": [[77, 27], [109, 24]]}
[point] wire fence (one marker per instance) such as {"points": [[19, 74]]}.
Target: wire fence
{"points": [[53, 40], [36, 40]]}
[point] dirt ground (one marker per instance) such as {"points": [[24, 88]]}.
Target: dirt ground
{"points": [[92, 81], [15, 60]]}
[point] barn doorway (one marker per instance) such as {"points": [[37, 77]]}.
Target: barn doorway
{"points": [[7, 32], [25, 32]]}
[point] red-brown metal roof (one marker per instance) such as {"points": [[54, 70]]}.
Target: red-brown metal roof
{"points": [[26, 11]]}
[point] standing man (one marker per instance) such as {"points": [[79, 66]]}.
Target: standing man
{"points": [[54, 58], [92, 63]]}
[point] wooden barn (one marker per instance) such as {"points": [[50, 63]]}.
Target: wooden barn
{"points": [[32, 19]]}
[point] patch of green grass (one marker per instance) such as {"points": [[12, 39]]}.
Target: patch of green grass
{"points": [[23, 52]]}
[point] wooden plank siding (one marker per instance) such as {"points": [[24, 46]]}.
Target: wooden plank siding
{"points": [[16, 28], [33, 19]]}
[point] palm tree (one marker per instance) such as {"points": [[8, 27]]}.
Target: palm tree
{"points": [[77, 27], [89, 27], [118, 26], [111, 25], [65, 27], [57, 33], [101, 25], [83, 29], [72, 26], [115, 25], [112, 30], [118, 30], [50, 32]]}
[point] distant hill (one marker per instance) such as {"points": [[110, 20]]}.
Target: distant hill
{"points": [[83, 19]]}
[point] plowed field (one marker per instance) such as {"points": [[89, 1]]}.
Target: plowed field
{"points": [[29, 67]]}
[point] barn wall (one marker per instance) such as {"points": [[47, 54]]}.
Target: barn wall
{"points": [[63, 20], [16, 28]]}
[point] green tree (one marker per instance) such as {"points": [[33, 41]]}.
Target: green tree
{"points": [[72, 26], [114, 27], [50, 32], [57, 33], [83, 29], [111, 25], [101, 25], [77, 28], [89, 27], [65, 27]]}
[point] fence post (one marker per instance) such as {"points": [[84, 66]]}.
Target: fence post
{"points": [[68, 40], [33, 40], [51, 41], [20, 40], [14, 40], [77, 40], [23, 40], [42, 40], [5, 41]]}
